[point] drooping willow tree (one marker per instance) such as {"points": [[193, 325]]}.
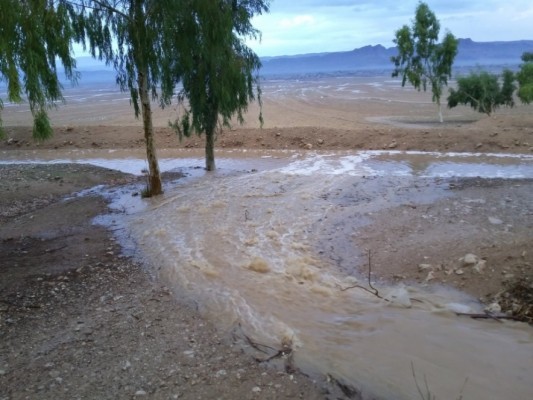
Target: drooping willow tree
{"points": [[155, 44], [152, 45], [34, 37], [218, 71]]}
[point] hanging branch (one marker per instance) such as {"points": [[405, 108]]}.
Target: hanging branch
{"points": [[101, 7]]}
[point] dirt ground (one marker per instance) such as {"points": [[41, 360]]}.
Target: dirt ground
{"points": [[500, 134], [316, 113], [80, 320]]}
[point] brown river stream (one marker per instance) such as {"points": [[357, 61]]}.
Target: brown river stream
{"points": [[252, 246]]}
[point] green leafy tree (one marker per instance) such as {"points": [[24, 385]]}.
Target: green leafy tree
{"points": [[483, 92], [218, 70], [422, 60], [525, 79], [151, 44], [134, 36], [33, 36]]}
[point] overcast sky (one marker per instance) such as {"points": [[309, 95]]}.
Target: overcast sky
{"points": [[314, 26]]}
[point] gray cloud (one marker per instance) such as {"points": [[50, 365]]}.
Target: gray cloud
{"points": [[295, 27]]}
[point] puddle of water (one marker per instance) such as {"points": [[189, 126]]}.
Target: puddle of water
{"points": [[244, 246], [364, 163], [421, 164], [448, 165], [134, 161]]}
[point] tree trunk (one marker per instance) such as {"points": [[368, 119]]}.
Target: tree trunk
{"points": [[441, 120], [210, 130], [154, 183], [210, 150]]}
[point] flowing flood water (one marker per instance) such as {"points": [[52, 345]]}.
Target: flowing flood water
{"points": [[246, 245]]}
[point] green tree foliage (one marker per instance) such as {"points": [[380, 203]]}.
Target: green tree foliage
{"points": [[134, 36], [524, 78], [152, 44], [422, 60], [483, 92], [155, 44], [218, 70], [34, 34]]}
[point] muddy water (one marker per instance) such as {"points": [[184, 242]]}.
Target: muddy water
{"points": [[365, 163], [246, 244], [246, 249]]}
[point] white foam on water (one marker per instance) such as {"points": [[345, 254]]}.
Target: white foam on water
{"points": [[397, 163], [328, 165]]}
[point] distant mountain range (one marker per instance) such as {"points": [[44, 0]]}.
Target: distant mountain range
{"points": [[367, 60], [377, 58]]}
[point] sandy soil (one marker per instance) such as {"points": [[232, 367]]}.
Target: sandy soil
{"points": [[80, 320], [319, 113]]}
